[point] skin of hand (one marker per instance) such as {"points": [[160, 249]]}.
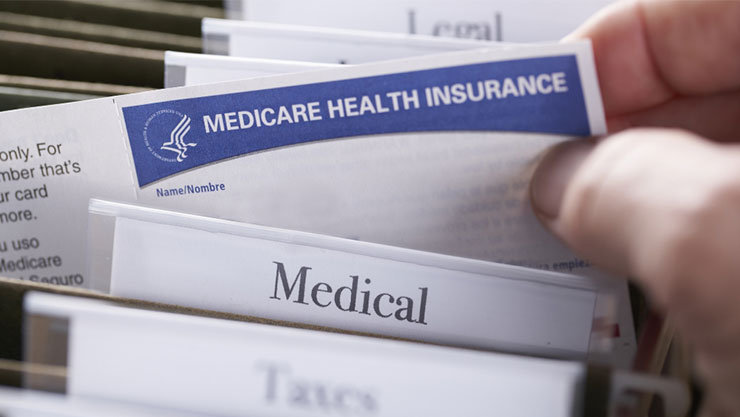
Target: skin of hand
{"points": [[659, 199]]}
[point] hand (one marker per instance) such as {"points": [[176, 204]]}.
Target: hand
{"points": [[663, 204]]}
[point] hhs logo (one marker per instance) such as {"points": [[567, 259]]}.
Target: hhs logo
{"points": [[164, 135]]}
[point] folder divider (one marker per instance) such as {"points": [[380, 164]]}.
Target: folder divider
{"points": [[98, 33]]}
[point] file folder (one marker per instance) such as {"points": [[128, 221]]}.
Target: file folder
{"points": [[225, 368], [17, 98], [94, 32], [182, 69], [212, 264], [497, 20], [177, 18], [326, 45], [75, 60]]}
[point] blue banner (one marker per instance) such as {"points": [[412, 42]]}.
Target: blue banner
{"points": [[525, 95]]}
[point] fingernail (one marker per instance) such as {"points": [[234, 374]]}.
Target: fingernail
{"points": [[553, 175]]}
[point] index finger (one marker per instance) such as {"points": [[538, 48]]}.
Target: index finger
{"points": [[648, 52]]}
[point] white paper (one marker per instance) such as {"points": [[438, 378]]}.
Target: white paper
{"points": [[236, 369], [182, 68], [499, 20], [326, 45]]}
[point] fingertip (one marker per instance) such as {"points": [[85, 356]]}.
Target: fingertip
{"points": [[553, 175]]}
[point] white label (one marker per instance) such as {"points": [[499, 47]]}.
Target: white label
{"points": [[262, 277], [236, 369]]}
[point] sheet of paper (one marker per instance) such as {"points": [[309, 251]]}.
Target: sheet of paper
{"points": [[52, 160], [229, 368], [181, 68], [499, 20], [326, 45], [357, 152]]}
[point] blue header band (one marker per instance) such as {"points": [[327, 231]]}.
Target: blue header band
{"points": [[525, 95]]}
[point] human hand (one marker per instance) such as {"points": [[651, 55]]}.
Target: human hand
{"points": [[663, 205]]}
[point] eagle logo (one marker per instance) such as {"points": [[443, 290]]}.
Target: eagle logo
{"points": [[165, 142], [177, 142]]}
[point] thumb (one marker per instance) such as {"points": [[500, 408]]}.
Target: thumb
{"points": [[661, 206], [644, 202]]}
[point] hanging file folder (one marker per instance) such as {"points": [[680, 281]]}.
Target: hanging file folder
{"points": [[206, 263], [235, 369]]}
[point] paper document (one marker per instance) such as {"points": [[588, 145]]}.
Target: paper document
{"points": [[497, 20]]}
